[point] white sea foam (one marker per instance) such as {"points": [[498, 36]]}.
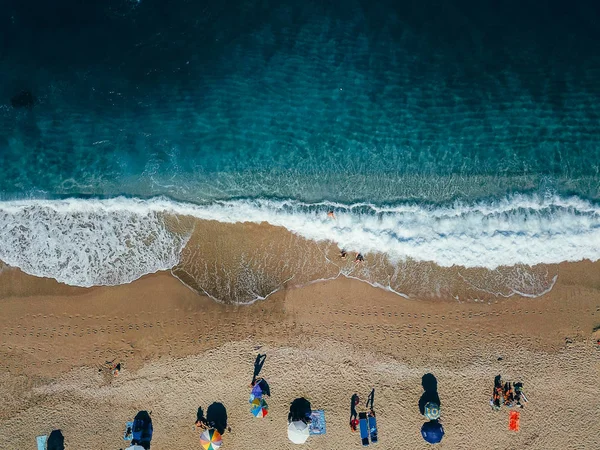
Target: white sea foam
{"points": [[86, 243], [105, 242]]}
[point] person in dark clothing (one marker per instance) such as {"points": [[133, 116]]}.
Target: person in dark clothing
{"points": [[200, 419], [496, 400], [509, 395], [519, 394], [354, 401]]}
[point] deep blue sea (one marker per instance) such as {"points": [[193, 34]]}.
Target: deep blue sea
{"points": [[458, 132]]}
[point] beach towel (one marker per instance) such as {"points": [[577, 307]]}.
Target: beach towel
{"points": [[317, 425], [371, 417], [41, 442], [364, 428], [513, 420], [128, 435]]}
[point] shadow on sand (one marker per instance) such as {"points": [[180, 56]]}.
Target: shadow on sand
{"points": [[429, 383]]}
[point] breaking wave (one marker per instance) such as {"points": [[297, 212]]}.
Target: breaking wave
{"points": [[87, 242]]}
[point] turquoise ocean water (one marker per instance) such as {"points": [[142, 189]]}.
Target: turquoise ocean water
{"points": [[458, 132]]}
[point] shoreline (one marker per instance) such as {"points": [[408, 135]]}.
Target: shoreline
{"points": [[244, 250]]}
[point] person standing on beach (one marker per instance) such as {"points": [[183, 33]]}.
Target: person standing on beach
{"points": [[354, 401]]}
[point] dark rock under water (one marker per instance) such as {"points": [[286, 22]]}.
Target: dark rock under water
{"points": [[23, 99]]}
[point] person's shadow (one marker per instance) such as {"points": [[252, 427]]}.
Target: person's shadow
{"points": [[429, 383]]}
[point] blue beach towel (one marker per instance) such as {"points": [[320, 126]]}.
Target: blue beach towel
{"points": [[41, 442], [317, 426], [364, 428], [128, 435]]}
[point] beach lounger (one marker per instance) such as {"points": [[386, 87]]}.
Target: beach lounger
{"points": [[364, 428], [41, 442]]}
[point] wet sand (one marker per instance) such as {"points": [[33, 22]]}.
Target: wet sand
{"points": [[325, 341]]}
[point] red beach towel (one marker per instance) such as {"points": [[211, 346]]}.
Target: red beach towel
{"points": [[513, 420]]}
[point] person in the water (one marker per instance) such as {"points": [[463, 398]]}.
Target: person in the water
{"points": [[359, 258], [343, 254], [330, 214]]}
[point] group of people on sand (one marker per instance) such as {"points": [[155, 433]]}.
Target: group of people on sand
{"points": [[507, 394], [359, 258], [301, 418]]}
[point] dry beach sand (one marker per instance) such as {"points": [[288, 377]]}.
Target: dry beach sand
{"points": [[324, 341]]}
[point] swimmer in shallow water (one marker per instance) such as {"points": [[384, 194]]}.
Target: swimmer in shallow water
{"points": [[359, 258], [330, 214], [343, 254]]}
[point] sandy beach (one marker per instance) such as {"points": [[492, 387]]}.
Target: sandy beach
{"points": [[324, 341], [370, 193]]}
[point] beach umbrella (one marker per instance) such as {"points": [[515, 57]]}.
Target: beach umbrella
{"points": [[211, 439], [298, 432], [257, 391], [259, 408], [432, 431], [432, 411]]}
